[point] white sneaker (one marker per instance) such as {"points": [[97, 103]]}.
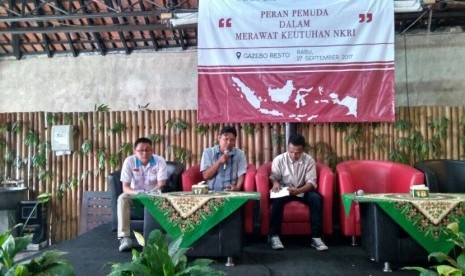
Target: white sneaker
{"points": [[276, 243], [125, 244], [319, 244]]}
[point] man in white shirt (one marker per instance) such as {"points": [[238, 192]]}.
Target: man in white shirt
{"points": [[141, 172]]}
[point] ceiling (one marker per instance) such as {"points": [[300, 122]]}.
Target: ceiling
{"points": [[75, 27]]}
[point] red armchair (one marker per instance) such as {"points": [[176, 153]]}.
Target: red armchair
{"points": [[193, 176], [371, 176], [296, 214]]}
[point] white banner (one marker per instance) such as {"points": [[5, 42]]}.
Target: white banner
{"points": [[273, 56]]}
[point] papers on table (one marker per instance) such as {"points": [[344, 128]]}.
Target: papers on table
{"points": [[283, 192]]}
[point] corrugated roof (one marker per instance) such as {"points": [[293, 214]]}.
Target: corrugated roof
{"points": [[38, 27], [74, 27]]}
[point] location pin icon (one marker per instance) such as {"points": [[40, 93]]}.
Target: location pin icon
{"points": [[238, 55]]}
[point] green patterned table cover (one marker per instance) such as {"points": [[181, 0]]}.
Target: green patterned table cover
{"points": [[191, 216], [425, 219]]}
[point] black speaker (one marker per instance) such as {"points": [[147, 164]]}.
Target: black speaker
{"points": [[33, 216]]}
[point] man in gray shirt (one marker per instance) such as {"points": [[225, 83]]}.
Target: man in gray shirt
{"points": [[296, 171]]}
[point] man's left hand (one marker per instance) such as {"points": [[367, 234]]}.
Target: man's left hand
{"points": [[293, 191], [232, 188]]}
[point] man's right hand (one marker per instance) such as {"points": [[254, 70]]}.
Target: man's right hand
{"points": [[276, 187], [224, 158]]}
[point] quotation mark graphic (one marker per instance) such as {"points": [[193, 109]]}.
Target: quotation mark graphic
{"points": [[365, 17], [224, 23]]}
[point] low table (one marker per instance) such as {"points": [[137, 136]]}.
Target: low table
{"points": [[398, 227], [211, 224], [385, 241]]}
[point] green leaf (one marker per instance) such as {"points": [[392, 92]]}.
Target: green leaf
{"points": [[201, 129], [159, 258], [68, 118], [180, 125], [3, 128], [278, 139], [50, 119], [44, 197], [125, 149], [249, 128], [448, 270], [139, 238], [402, 125], [461, 260], [155, 138], [17, 127], [18, 270], [86, 146], [424, 271], [453, 227], [101, 107], [441, 257], [101, 159], [114, 161], [45, 175], [49, 263], [117, 127], [143, 107], [31, 138]]}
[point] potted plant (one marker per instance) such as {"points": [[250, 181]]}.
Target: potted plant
{"points": [[48, 263], [455, 267], [159, 258]]}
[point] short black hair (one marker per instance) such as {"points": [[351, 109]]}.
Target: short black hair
{"points": [[142, 140], [296, 140], [229, 129]]}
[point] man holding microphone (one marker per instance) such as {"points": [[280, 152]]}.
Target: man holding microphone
{"points": [[223, 166]]}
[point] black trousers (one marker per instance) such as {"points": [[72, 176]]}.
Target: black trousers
{"points": [[312, 199]]}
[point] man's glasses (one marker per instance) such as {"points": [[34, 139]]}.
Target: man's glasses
{"points": [[144, 150]]}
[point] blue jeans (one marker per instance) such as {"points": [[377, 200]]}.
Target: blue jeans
{"points": [[312, 199]]}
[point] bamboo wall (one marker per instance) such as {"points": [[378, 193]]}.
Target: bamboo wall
{"points": [[179, 137]]}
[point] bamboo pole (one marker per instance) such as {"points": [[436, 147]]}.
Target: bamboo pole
{"points": [[194, 139], [161, 132], [92, 128], [267, 144], [103, 135], [460, 132], [169, 154], [184, 140], [432, 116], [140, 124], [154, 115], [28, 180]]}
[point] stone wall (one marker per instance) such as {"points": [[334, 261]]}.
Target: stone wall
{"points": [[429, 71]]}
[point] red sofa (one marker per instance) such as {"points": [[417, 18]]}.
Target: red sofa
{"points": [[193, 176], [296, 214], [371, 176]]}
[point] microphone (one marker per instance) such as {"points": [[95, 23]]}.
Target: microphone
{"points": [[225, 152]]}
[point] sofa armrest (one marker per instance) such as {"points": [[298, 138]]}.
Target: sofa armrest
{"points": [[346, 184], [249, 178], [190, 177], [262, 183], [116, 188], [174, 182], [405, 176], [326, 190]]}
